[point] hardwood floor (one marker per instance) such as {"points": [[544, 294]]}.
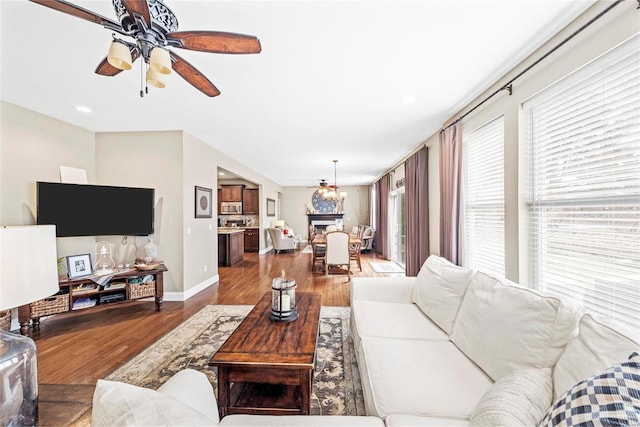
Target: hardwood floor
{"points": [[81, 347]]}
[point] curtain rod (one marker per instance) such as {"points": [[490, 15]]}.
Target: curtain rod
{"points": [[509, 85]]}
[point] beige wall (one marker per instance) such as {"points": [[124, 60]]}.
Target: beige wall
{"points": [[294, 201], [615, 27], [33, 147], [150, 160], [200, 235]]}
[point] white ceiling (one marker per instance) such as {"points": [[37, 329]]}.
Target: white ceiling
{"points": [[364, 82]]}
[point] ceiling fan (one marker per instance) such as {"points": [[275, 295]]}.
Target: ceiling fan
{"points": [[153, 26]]}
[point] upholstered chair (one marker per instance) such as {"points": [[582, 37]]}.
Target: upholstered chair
{"points": [[338, 251], [279, 241], [367, 239]]}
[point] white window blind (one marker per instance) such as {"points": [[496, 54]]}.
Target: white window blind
{"points": [[584, 185], [483, 198]]}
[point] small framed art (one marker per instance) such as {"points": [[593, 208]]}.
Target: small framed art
{"points": [[271, 207], [203, 202], [79, 266]]}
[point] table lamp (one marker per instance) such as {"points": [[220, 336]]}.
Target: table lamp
{"points": [[29, 272], [279, 223]]}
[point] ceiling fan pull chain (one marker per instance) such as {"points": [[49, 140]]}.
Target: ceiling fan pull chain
{"points": [[142, 79]]}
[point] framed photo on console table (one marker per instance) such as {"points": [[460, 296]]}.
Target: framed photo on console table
{"points": [[203, 202], [79, 266]]}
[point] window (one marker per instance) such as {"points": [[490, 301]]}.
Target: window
{"points": [[583, 206], [483, 198]]}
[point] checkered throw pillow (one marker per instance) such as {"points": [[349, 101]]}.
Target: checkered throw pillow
{"points": [[611, 398]]}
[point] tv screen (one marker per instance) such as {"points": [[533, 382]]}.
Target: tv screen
{"points": [[95, 210]]}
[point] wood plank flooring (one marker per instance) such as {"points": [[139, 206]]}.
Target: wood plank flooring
{"points": [[78, 348], [81, 347]]}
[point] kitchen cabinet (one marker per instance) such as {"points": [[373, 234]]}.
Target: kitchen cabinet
{"points": [[251, 239], [231, 193], [230, 247], [251, 201]]}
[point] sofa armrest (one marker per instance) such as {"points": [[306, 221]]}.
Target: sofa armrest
{"points": [[383, 289], [192, 388]]}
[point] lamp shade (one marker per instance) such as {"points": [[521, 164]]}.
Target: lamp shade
{"points": [[119, 55], [160, 61], [279, 223], [155, 79], [29, 264]]}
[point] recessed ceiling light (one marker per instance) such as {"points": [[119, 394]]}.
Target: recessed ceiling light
{"points": [[83, 109], [220, 173]]}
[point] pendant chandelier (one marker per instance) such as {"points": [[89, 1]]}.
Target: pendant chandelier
{"points": [[331, 192]]}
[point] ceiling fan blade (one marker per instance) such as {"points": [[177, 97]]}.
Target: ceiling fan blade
{"points": [[215, 41], [106, 69], [193, 76], [138, 7], [77, 11]]}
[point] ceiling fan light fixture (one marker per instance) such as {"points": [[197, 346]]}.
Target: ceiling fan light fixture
{"points": [[119, 55], [160, 61], [156, 79]]}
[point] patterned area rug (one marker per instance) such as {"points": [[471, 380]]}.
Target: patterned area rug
{"points": [[336, 384]]}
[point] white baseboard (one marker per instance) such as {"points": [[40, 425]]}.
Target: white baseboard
{"points": [[183, 296], [265, 250]]}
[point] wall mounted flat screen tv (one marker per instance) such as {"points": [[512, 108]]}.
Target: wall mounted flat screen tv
{"points": [[95, 210]]}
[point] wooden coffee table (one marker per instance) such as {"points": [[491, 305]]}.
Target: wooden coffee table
{"points": [[266, 367]]}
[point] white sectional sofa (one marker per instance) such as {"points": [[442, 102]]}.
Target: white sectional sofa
{"points": [[187, 399], [454, 347], [448, 348]]}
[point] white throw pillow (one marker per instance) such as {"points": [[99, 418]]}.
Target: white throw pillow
{"points": [[440, 287], [596, 347], [119, 404], [519, 399], [504, 328]]}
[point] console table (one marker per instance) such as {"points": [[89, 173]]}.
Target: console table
{"points": [[84, 293]]}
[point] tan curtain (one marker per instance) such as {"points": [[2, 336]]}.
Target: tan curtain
{"points": [[383, 186], [417, 199], [450, 183]]}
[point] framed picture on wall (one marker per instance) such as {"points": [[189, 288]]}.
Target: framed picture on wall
{"points": [[203, 202], [271, 207]]}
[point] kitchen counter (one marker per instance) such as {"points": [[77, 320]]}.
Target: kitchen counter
{"points": [[230, 230], [230, 246]]}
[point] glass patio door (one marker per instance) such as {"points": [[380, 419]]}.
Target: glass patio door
{"points": [[398, 228]]}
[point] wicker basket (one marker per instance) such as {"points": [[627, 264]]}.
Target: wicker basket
{"points": [[5, 320], [51, 305], [143, 290]]}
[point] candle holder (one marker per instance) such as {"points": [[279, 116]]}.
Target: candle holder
{"points": [[283, 300]]}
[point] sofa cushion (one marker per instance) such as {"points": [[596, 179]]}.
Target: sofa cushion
{"points": [[504, 328], [299, 421], [118, 404], [419, 377], [407, 420], [379, 319], [440, 286], [610, 398], [520, 398], [596, 347]]}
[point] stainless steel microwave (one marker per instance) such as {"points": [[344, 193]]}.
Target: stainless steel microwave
{"points": [[231, 208]]}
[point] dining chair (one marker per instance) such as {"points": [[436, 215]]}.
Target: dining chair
{"points": [[338, 251], [354, 254]]}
